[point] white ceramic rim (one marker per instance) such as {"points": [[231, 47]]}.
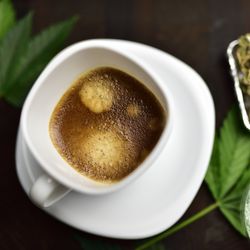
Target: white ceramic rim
{"points": [[147, 163]]}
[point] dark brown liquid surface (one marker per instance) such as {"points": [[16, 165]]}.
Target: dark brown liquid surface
{"points": [[106, 124]]}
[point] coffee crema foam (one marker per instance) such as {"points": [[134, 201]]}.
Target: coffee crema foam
{"points": [[106, 124]]}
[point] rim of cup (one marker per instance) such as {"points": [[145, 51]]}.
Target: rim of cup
{"points": [[156, 151]]}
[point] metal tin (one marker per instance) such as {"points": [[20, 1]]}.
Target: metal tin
{"points": [[235, 74]]}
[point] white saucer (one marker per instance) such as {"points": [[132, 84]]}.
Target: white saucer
{"points": [[161, 196]]}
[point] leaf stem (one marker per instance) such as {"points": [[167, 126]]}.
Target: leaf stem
{"points": [[178, 226]]}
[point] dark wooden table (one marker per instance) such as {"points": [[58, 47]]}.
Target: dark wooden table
{"points": [[195, 31]]}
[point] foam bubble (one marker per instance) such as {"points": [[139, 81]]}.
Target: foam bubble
{"points": [[97, 96], [133, 110]]}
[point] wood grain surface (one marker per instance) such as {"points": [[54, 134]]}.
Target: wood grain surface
{"points": [[198, 33]]}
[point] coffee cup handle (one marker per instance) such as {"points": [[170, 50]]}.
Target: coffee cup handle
{"points": [[47, 191]]}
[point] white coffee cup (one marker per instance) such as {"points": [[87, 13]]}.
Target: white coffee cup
{"points": [[60, 73]]}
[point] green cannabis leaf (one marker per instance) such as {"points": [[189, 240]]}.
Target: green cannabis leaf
{"points": [[11, 48], [228, 174], [22, 58], [234, 154], [38, 53], [231, 206], [7, 17]]}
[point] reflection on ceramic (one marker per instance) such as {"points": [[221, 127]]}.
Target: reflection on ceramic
{"points": [[162, 194]]}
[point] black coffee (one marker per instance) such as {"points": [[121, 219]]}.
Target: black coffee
{"points": [[106, 124]]}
